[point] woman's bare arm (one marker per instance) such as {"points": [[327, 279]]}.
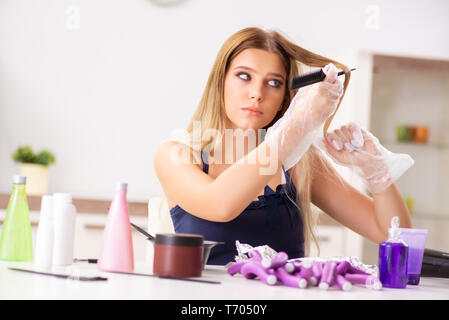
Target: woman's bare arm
{"points": [[221, 199], [369, 217]]}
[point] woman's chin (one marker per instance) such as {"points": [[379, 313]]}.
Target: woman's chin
{"points": [[249, 125]]}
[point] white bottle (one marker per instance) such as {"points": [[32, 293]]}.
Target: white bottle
{"points": [[64, 217], [43, 256]]}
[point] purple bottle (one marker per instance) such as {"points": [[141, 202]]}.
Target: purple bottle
{"points": [[393, 255]]}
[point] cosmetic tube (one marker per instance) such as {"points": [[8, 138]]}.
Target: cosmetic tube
{"points": [[416, 241]]}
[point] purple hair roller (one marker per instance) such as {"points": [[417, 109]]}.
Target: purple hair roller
{"points": [[255, 255], [307, 273], [354, 270], [236, 267], [296, 266], [251, 269], [290, 280], [278, 261], [317, 269], [327, 275], [369, 281], [306, 264], [342, 283], [258, 257], [343, 267], [290, 267]]}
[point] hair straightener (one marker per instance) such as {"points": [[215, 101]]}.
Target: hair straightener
{"points": [[435, 264], [310, 78]]}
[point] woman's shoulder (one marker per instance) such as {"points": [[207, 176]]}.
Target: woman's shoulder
{"points": [[173, 152]]}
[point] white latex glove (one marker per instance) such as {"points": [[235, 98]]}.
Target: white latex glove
{"points": [[356, 148], [302, 123]]}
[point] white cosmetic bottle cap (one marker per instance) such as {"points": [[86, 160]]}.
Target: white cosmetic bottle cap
{"points": [[121, 186], [62, 197], [19, 180]]}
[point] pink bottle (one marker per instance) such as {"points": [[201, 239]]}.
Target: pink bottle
{"points": [[117, 250]]}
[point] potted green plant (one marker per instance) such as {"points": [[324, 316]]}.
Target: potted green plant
{"points": [[35, 167]]}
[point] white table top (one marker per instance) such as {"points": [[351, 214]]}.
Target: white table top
{"points": [[20, 285]]}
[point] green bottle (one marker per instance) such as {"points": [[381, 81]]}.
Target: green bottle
{"points": [[15, 239]]}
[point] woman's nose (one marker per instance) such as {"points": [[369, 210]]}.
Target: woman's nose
{"points": [[256, 92]]}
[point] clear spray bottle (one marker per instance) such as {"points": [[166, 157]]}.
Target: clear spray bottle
{"points": [[393, 256]]}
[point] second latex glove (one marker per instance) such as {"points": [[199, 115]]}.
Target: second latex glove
{"points": [[356, 148], [302, 123]]}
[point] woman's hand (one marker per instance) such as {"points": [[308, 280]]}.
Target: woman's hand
{"points": [[350, 145], [300, 125], [356, 148], [316, 103]]}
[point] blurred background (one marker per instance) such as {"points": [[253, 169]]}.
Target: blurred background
{"points": [[100, 84]]}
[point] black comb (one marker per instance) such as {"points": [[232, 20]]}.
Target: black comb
{"points": [[310, 78]]}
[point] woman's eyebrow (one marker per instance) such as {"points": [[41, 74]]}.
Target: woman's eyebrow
{"points": [[251, 69]]}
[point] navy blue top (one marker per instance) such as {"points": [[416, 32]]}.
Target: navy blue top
{"points": [[272, 220]]}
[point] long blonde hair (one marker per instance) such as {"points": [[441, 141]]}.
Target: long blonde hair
{"points": [[211, 112]]}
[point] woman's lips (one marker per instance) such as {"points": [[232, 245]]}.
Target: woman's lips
{"points": [[252, 111]]}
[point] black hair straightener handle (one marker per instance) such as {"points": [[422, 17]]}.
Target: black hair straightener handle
{"points": [[435, 264]]}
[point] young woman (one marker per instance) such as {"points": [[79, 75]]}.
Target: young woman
{"points": [[258, 189]]}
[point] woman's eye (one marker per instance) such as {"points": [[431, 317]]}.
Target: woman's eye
{"points": [[243, 76], [275, 83]]}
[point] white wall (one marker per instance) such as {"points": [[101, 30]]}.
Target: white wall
{"points": [[102, 82], [416, 98]]}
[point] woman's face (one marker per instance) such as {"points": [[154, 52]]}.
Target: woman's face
{"points": [[254, 89]]}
